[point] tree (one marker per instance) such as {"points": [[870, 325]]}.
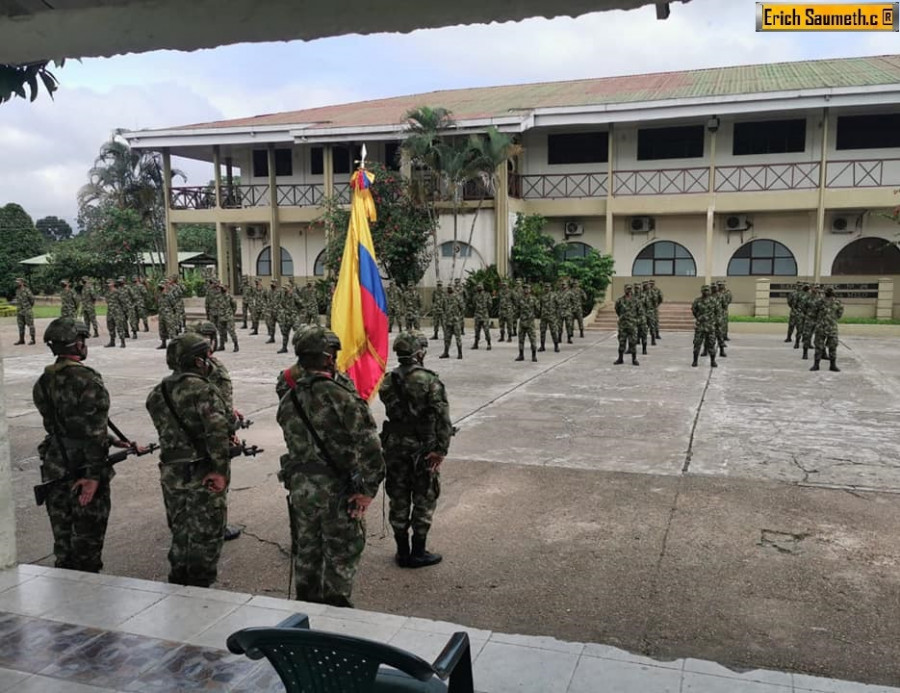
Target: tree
{"points": [[19, 240], [14, 79], [401, 234], [54, 229], [197, 237]]}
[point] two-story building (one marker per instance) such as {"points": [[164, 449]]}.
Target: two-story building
{"points": [[778, 170]]}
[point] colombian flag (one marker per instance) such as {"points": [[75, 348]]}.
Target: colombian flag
{"points": [[359, 306]]}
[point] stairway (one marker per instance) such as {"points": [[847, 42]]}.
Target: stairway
{"points": [[673, 317]]}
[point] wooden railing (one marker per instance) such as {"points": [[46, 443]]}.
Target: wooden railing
{"points": [[195, 197], [862, 173], [761, 177], [665, 181], [557, 185], [300, 194]]}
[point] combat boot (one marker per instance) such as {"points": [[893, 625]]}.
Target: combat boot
{"points": [[789, 338], [581, 332], [634, 361], [112, 342], [521, 356], [459, 351], [244, 326], [489, 345], [283, 349], [556, 346], [254, 331], [402, 555], [644, 346], [21, 336], [569, 339], [502, 333], [271, 339], [833, 366], [435, 336], [805, 352], [542, 345], [134, 334], [712, 361], [235, 346], [419, 557], [162, 344], [652, 340], [147, 327], [122, 342], [696, 356], [31, 333], [620, 360], [96, 334], [533, 354], [657, 336], [815, 365], [475, 345], [722, 353], [797, 341]]}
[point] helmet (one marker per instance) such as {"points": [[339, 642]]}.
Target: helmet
{"points": [[184, 349], [65, 331], [705, 287], [204, 327], [315, 340], [408, 343]]}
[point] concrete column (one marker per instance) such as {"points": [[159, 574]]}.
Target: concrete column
{"points": [[328, 169], [820, 210], [171, 236], [501, 219], [221, 240], [275, 227], [217, 175], [884, 308], [610, 231], [762, 298], [7, 506], [710, 230], [229, 178]]}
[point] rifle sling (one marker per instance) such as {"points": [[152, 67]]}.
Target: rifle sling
{"points": [[201, 453], [312, 431]]}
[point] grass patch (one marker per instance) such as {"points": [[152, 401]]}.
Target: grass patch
{"points": [[784, 319], [53, 311]]}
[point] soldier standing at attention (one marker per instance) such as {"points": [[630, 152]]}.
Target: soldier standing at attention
{"points": [[437, 307], [311, 304], [452, 320], [191, 420], [416, 437], [128, 293], [74, 406], [504, 311], [482, 305], [68, 301], [792, 305], [167, 314], [227, 309], [629, 313], [395, 306], [462, 299], [88, 302], [705, 309], [657, 299], [578, 299], [412, 302], [528, 309], [649, 305], [255, 303], [828, 311], [24, 310], [719, 331], [726, 298], [332, 470], [567, 313], [116, 314], [246, 298], [286, 313], [810, 310], [142, 298], [641, 309], [800, 307], [549, 315], [270, 310]]}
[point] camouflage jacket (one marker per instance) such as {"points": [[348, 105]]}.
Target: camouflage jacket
{"points": [[75, 409], [88, 298], [706, 311], [343, 422], [288, 378], [527, 308], [438, 299], [829, 311], [629, 311], [417, 410], [482, 305], [24, 300], [68, 304], [550, 308]]}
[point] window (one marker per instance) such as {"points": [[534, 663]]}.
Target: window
{"points": [[319, 265], [284, 163], [344, 157], [762, 258], [664, 259], [769, 137], [316, 161], [868, 131], [462, 249], [577, 148], [264, 263], [392, 156], [575, 250], [670, 143], [867, 256]]}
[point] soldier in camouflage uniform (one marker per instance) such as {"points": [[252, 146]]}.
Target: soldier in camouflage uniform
{"points": [[828, 311], [482, 304], [395, 306], [705, 310], [116, 314], [192, 422], [167, 314], [657, 302], [725, 297], [719, 329], [549, 314], [810, 311], [527, 311], [792, 305], [126, 290], [142, 299], [178, 291], [650, 314], [211, 303], [288, 378], [412, 304], [286, 314], [416, 437], [462, 298], [642, 324], [578, 299], [452, 322], [227, 309], [270, 309], [517, 290], [256, 304], [505, 311], [24, 310], [310, 305], [629, 312], [800, 306], [68, 301], [332, 470], [438, 299], [88, 304], [74, 406], [567, 311], [246, 298]]}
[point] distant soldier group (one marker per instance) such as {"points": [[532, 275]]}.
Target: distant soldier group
{"points": [[283, 306], [638, 317], [710, 311], [814, 315]]}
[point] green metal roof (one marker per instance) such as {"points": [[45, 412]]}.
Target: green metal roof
{"points": [[486, 102]]}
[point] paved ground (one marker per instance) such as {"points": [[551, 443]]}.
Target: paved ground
{"points": [[745, 514]]}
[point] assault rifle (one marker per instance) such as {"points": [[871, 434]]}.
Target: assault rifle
{"points": [[41, 490], [244, 422], [244, 449]]}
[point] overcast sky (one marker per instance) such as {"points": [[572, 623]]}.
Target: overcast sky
{"points": [[46, 147]]}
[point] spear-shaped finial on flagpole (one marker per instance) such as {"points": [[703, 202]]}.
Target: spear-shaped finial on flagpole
{"points": [[362, 158]]}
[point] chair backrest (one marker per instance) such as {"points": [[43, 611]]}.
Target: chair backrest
{"points": [[310, 661]]}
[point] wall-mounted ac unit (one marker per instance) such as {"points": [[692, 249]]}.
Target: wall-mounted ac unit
{"points": [[573, 228], [848, 222], [256, 232], [736, 222], [642, 224]]}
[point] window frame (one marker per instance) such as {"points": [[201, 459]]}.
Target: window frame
{"points": [[680, 254], [753, 260], [760, 133], [642, 147], [880, 137], [572, 148], [286, 260]]}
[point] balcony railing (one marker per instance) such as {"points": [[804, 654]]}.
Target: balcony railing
{"points": [[300, 195], [197, 197], [763, 177], [862, 173], [557, 185], [665, 181]]}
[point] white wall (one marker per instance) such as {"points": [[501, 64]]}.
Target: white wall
{"points": [[688, 230], [483, 243], [303, 244]]}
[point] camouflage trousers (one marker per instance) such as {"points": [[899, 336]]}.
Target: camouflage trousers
{"points": [[554, 328], [504, 323], [628, 338], [226, 326], [89, 314], [526, 327], [25, 319], [437, 321], [328, 543], [481, 324], [826, 341], [809, 328], [270, 322], [312, 317], [412, 321], [196, 518], [653, 321], [116, 324], [642, 331], [166, 325], [412, 489], [286, 324], [133, 317], [569, 322], [705, 337], [452, 329], [78, 532], [394, 319], [255, 315], [579, 320]]}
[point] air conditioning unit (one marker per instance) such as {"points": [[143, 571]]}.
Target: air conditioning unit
{"points": [[256, 232], [573, 228], [737, 222], [846, 223], [642, 224]]}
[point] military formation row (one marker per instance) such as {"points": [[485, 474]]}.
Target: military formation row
{"points": [[814, 316], [286, 307], [638, 317]]}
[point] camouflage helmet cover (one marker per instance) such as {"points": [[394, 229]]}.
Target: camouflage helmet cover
{"points": [[65, 331], [408, 343], [185, 348], [204, 327], [315, 340]]}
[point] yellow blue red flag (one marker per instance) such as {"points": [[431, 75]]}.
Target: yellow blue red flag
{"points": [[359, 305]]}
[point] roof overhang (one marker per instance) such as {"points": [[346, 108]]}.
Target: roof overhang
{"points": [[32, 30]]}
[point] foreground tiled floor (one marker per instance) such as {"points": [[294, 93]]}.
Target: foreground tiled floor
{"points": [[69, 632]]}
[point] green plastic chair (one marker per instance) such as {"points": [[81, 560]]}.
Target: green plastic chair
{"points": [[313, 661]]}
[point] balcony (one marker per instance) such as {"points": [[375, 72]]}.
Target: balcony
{"points": [[765, 177], [557, 185], [666, 181]]}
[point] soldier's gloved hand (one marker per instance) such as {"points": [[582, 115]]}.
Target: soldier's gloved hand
{"points": [[358, 505], [215, 482], [117, 443], [86, 488], [434, 461]]}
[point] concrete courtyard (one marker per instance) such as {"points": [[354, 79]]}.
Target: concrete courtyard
{"points": [[746, 514]]}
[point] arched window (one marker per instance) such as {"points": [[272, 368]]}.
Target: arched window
{"points": [[664, 259], [462, 249], [575, 250], [264, 263], [319, 265], [867, 256], [762, 258]]}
